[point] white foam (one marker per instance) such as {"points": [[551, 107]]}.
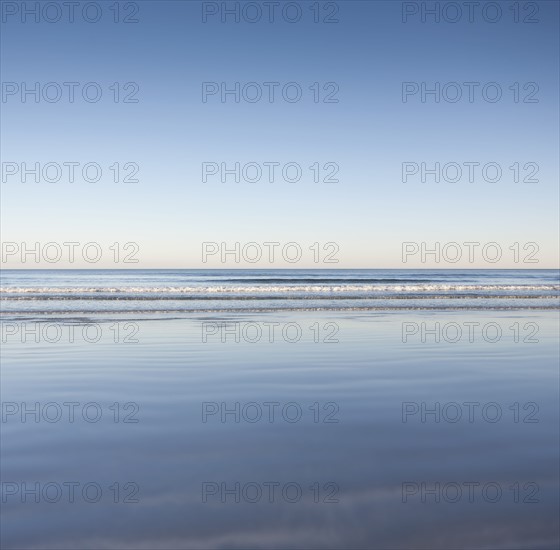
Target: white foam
{"points": [[269, 289]]}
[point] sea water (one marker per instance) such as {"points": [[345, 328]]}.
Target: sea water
{"points": [[177, 409]]}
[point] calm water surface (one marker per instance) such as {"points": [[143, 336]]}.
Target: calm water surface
{"points": [[285, 428]]}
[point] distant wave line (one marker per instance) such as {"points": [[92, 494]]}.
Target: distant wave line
{"points": [[265, 289], [95, 313]]}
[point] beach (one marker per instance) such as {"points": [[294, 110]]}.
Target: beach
{"points": [[284, 428]]}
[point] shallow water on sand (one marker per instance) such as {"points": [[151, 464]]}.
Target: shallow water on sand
{"points": [[282, 430]]}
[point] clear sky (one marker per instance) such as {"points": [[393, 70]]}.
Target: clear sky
{"points": [[170, 52]]}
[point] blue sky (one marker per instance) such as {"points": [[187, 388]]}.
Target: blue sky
{"points": [[369, 133]]}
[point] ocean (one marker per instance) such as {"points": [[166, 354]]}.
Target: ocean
{"points": [[177, 292], [293, 409]]}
